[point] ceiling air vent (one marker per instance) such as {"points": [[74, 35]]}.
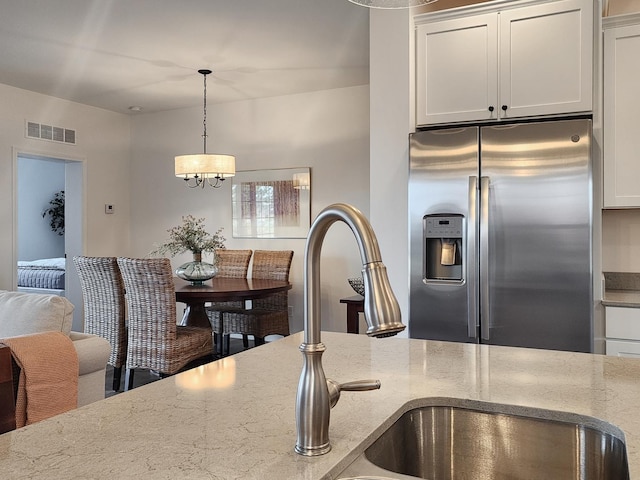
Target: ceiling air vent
{"points": [[51, 133]]}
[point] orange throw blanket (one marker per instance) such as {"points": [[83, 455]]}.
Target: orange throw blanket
{"points": [[48, 383]]}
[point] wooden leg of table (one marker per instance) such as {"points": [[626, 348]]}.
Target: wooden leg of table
{"points": [[195, 315], [353, 321]]}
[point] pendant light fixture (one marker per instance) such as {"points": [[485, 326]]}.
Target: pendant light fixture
{"points": [[203, 168], [392, 3]]}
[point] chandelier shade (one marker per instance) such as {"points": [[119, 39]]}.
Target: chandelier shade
{"points": [[203, 168], [205, 165], [392, 3]]}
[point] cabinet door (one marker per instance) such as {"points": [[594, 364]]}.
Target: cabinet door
{"points": [[622, 323], [622, 331], [546, 59], [456, 70], [621, 117], [620, 348]]}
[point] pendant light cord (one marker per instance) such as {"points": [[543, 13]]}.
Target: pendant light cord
{"points": [[204, 116]]}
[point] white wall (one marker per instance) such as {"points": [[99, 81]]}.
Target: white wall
{"points": [[391, 122], [621, 240], [620, 7], [327, 131], [103, 141], [38, 181]]}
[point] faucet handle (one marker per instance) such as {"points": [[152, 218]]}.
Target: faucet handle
{"points": [[357, 386]]}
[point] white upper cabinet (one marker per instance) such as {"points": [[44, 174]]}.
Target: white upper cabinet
{"points": [[457, 69], [622, 112], [498, 61]]}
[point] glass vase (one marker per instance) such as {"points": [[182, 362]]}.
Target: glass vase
{"points": [[197, 271]]}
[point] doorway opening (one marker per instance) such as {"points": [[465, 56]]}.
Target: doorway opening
{"points": [[40, 182]]}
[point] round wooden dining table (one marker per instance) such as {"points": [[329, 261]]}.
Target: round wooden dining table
{"points": [[221, 289]]}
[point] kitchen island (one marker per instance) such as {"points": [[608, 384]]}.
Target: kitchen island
{"points": [[235, 418]]}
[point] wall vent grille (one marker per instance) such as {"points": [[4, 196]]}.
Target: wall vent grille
{"points": [[50, 133]]}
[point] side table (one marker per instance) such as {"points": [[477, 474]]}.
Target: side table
{"points": [[355, 305], [7, 398]]}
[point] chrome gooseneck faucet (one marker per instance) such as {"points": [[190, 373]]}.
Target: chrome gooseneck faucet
{"points": [[316, 394]]}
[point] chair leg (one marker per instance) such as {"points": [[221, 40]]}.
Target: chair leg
{"points": [[245, 341], [227, 344], [128, 379], [220, 336], [117, 376], [220, 345]]}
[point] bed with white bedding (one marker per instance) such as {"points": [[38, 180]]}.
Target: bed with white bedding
{"points": [[46, 275]]}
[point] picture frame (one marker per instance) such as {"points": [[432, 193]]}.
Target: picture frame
{"points": [[274, 203]]}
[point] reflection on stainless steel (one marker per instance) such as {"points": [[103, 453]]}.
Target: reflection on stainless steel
{"points": [[217, 375], [447, 442], [525, 195], [381, 311]]}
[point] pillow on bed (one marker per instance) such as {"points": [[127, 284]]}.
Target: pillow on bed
{"points": [[27, 313]]}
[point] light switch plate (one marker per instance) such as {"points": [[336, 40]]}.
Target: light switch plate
{"points": [[108, 208]]}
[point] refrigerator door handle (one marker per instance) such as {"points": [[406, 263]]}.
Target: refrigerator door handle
{"points": [[484, 258], [472, 260]]}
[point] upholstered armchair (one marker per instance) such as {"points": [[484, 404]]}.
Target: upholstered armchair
{"points": [[31, 313]]}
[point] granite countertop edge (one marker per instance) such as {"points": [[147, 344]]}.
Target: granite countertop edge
{"points": [[621, 298]]}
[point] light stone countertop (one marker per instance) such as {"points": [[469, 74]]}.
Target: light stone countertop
{"points": [[246, 430], [621, 298], [622, 289]]}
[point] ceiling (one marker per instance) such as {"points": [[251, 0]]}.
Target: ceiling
{"points": [[114, 54]]}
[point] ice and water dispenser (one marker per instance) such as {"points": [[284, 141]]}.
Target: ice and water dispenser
{"points": [[443, 248]]}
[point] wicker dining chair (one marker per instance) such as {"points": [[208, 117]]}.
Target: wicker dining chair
{"points": [[156, 342], [104, 307], [231, 264], [269, 315]]}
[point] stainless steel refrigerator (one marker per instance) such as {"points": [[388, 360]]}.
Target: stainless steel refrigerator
{"points": [[500, 234]]}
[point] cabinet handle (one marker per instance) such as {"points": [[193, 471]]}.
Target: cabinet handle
{"points": [[491, 109], [504, 108]]}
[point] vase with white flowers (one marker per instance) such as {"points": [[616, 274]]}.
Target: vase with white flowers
{"points": [[192, 236]]}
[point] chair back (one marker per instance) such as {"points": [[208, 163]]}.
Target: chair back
{"points": [[272, 264], [151, 308], [233, 263], [103, 292]]}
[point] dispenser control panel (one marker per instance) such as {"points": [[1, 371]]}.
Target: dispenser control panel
{"points": [[443, 227]]}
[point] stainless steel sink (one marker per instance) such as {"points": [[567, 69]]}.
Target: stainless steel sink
{"points": [[495, 442]]}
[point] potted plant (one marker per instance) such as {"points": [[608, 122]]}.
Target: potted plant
{"points": [[56, 213], [192, 236]]}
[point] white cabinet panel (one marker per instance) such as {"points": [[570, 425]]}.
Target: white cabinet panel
{"points": [[546, 59], [622, 331], [622, 322], [457, 67], [512, 62], [619, 348], [621, 118]]}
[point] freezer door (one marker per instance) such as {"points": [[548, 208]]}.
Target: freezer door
{"points": [[442, 185], [536, 286]]}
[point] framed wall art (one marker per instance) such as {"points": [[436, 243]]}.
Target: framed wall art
{"points": [[271, 203]]}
